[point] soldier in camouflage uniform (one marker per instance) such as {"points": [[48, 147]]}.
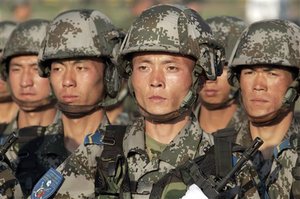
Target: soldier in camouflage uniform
{"points": [[77, 56], [219, 106], [8, 109], [265, 66], [32, 94], [158, 52]]}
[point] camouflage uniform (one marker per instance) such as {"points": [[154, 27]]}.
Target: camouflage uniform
{"points": [[82, 165], [87, 34], [179, 30], [26, 40], [270, 43], [274, 177], [144, 172]]}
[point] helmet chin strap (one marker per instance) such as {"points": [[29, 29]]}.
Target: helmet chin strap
{"points": [[35, 106], [184, 108], [5, 98], [77, 111]]}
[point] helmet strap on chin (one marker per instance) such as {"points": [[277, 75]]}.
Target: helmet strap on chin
{"points": [[35, 106], [77, 111]]}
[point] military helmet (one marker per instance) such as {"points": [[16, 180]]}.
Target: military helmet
{"points": [[173, 29], [226, 30], [268, 42], [78, 33], [25, 39], [6, 27]]}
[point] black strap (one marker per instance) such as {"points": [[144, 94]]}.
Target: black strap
{"points": [[29, 170], [223, 140], [111, 158]]}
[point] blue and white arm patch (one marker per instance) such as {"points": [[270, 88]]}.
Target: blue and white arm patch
{"points": [[94, 138], [47, 185]]}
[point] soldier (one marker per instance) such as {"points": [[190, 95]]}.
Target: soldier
{"points": [[167, 44], [219, 106], [77, 56], [265, 66], [8, 109], [32, 94]]}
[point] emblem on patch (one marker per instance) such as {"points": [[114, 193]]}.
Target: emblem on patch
{"points": [[47, 185], [94, 138]]}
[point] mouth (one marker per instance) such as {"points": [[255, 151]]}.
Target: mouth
{"points": [[69, 98], [210, 92], [156, 98]]}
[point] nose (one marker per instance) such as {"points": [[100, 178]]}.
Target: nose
{"points": [[27, 79], [157, 78], [69, 78], [260, 82]]}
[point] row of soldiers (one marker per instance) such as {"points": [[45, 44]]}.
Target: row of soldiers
{"points": [[205, 90]]}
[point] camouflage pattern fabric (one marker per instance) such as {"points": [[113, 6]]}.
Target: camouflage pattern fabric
{"points": [[188, 144], [226, 30], [80, 166], [274, 177], [9, 188], [270, 42], [25, 39], [6, 27]]}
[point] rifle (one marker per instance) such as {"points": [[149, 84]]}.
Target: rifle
{"points": [[198, 171], [7, 144]]}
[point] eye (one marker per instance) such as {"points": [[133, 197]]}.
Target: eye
{"points": [[56, 69], [247, 72], [142, 68], [15, 69], [172, 68]]}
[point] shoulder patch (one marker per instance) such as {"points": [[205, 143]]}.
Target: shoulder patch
{"points": [[94, 138], [47, 185]]}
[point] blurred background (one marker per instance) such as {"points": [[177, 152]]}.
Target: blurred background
{"points": [[123, 12]]}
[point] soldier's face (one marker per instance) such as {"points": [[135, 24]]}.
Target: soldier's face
{"points": [[24, 80], [161, 81], [216, 92], [263, 89], [78, 82]]}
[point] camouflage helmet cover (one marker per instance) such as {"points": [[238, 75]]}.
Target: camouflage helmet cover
{"points": [[25, 39], [6, 28], [226, 30], [78, 33], [271, 42], [173, 29]]}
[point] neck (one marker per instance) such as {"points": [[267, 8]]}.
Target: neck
{"points": [[272, 135], [114, 113], [212, 120], [165, 132], [8, 111], [36, 118], [76, 129]]}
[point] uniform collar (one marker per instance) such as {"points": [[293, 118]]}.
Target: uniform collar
{"points": [[184, 146]]}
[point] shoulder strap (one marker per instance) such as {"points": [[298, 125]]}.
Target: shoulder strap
{"points": [[111, 159], [223, 141], [29, 170]]}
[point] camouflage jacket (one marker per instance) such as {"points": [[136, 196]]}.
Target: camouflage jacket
{"points": [[274, 177], [143, 172], [79, 167]]}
